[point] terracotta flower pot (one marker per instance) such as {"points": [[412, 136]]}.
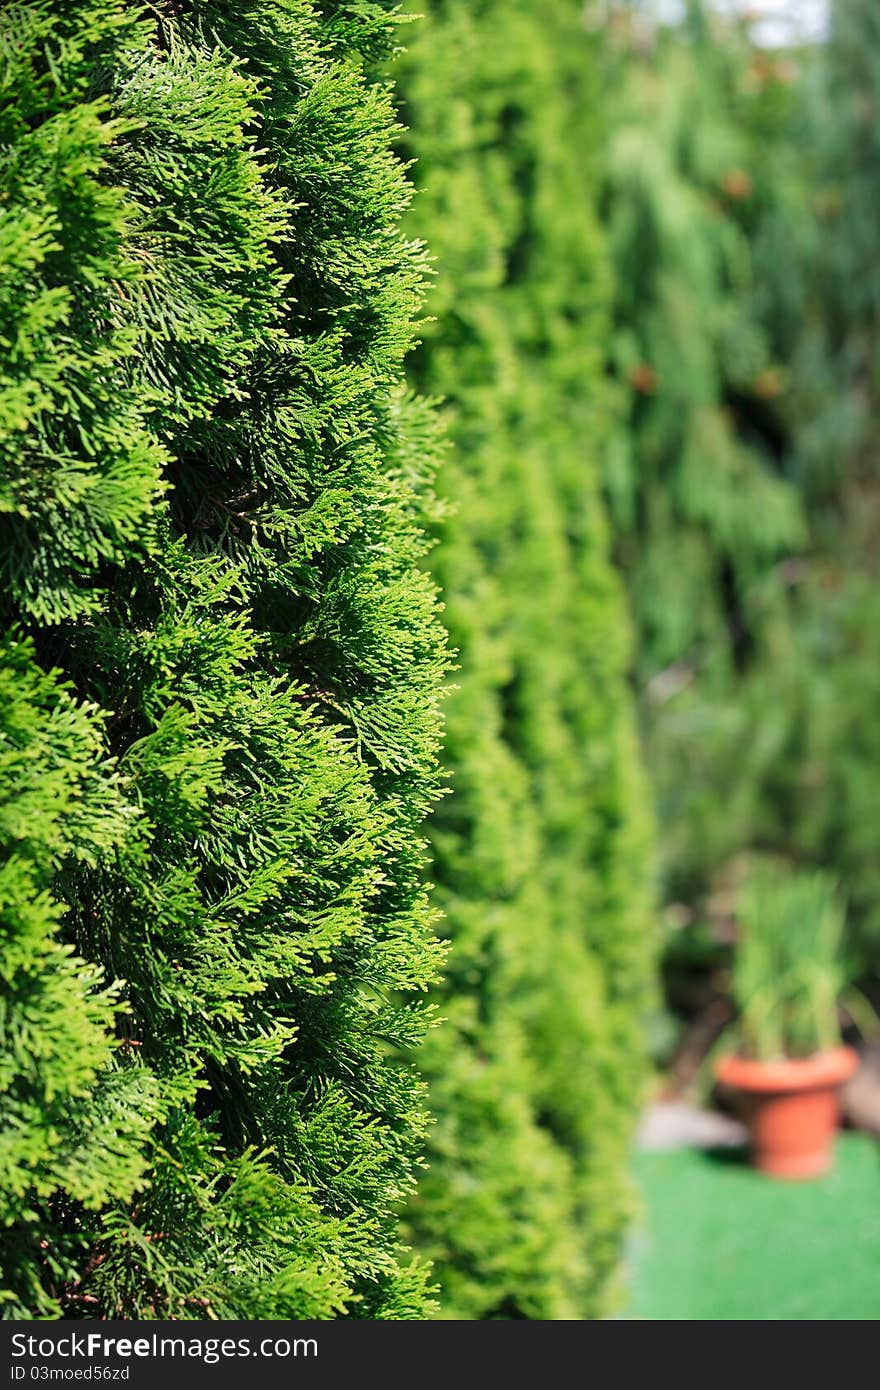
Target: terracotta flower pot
{"points": [[792, 1108]]}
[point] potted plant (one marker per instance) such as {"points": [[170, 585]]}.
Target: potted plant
{"points": [[789, 973]]}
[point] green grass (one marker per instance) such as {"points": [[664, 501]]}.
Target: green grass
{"points": [[720, 1241]]}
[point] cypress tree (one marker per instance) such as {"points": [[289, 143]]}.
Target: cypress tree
{"points": [[220, 665], [540, 850]]}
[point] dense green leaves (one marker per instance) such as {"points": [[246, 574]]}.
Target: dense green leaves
{"points": [[222, 658], [220, 684], [743, 483], [703, 514], [540, 850]]}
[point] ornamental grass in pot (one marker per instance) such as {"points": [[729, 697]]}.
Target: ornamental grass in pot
{"points": [[789, 974]]}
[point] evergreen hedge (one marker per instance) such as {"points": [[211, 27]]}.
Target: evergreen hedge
{"points": [[540, 852], [221, 663]]}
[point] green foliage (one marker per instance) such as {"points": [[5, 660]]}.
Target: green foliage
{"points": [[692, 354], [75, 1122], [743, 483], [830, 789], [220, 676], [789, 968], [703, 514], [540, 851], [840, 121]]}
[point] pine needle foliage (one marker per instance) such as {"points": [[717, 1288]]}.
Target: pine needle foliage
{"points": [[704, 514], [830, 789], [690, 469], [541, 849], [220, 667], [739, 197]]}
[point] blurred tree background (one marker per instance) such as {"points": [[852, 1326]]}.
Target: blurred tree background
{"points": [[740, 201]]}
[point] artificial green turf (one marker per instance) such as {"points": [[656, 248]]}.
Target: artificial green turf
{"points": [[720, 1241]]}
